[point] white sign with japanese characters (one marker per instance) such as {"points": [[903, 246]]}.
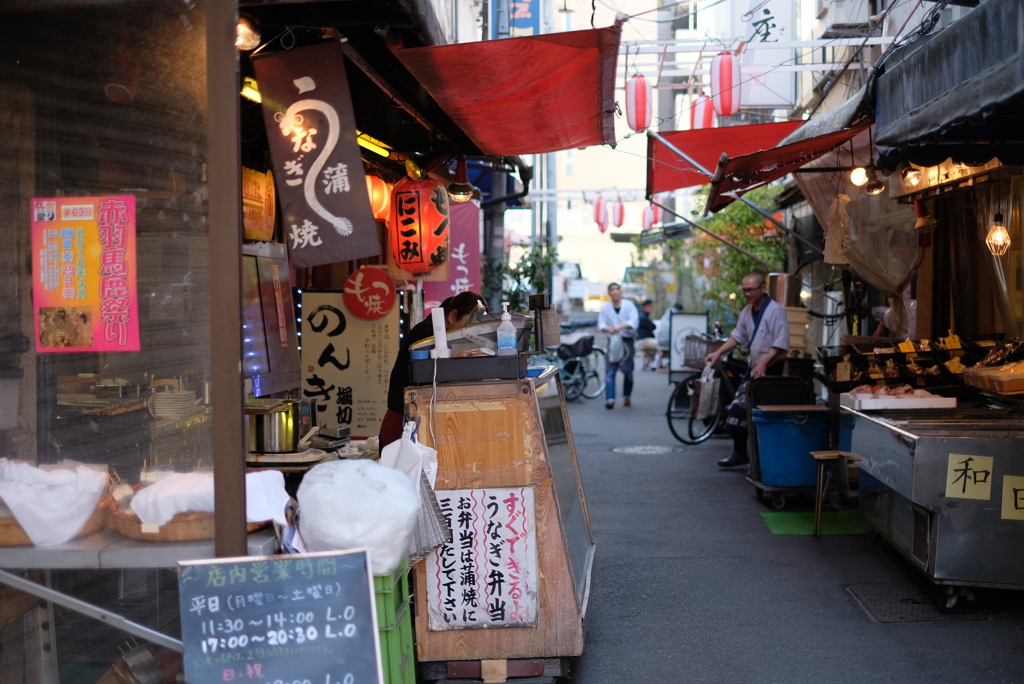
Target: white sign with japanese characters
{"points": [[486, 576], [346, 362]]}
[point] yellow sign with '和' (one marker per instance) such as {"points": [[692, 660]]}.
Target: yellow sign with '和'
{"points": [[969, 477]]}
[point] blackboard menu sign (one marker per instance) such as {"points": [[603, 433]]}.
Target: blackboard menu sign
{"points": [[298, 619]]}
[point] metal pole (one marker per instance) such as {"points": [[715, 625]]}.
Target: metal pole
{"points": [[734, 195], [101, 614], [717, 237]]}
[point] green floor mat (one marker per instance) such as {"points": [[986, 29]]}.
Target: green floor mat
{"points": [[832, 522]]}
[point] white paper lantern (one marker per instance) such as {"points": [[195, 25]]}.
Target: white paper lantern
{"points": [[702, 115], [725, 83], [639, 103], [618, 212]]}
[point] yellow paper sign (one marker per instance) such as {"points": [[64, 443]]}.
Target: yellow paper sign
{"points": [[907, 347], [842, 372], [1013, 498], [969, 477], [952, 342]]}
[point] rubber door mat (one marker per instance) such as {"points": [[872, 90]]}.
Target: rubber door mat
{"points": [[905, 603], [832, 522]]}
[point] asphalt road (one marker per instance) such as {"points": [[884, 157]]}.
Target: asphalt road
{"points": [[690, 585]]}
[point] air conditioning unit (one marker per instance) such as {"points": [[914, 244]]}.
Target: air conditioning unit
{"points": [[832, 12]]}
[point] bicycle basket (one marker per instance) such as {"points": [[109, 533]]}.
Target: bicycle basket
{"points": [[580, 347], [696, 349]]}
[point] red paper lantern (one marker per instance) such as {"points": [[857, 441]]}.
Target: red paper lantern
{"points": [[639, 99], [702, 115], [380, 196], [649, 221], [618, 212], [419, 225], [600, 213], [725, 83]]}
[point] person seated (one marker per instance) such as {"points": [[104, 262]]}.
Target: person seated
{"points": [[645, 340]]}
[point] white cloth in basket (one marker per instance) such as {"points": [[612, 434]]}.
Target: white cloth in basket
{"points": [[265, 497], [51, 503]]}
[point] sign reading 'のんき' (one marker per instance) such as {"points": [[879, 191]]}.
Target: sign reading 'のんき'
{"points": [[83, 274], [486, 576]]}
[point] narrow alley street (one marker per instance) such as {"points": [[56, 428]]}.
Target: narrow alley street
{"points": [[690, 585]]}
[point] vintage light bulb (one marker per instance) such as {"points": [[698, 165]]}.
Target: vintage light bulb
{"points": [[873, 186], [859, 176], [912, 176], [998, 238]]}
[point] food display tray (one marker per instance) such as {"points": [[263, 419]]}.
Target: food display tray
{"points": [[918, 400]]}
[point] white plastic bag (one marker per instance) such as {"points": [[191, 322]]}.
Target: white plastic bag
{"points": [[707, 396], [410, 457], [616, 349], [358, 504]]}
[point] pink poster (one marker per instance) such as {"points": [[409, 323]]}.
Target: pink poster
{"points": [[464, 262], [84, 273]]}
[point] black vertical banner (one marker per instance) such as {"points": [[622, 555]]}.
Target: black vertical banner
{"points": [[317, 164]]}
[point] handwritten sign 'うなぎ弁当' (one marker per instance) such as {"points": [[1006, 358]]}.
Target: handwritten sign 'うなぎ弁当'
{"points": [[304, 617]]}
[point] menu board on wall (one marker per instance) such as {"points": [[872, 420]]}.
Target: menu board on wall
{"points": [[84, 274], [346, 361], [486, 576], [298, 618]]}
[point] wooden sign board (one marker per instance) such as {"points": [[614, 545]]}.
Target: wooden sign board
{"points": [[305, 617]]}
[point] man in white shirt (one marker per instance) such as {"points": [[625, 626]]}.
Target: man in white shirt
{"points": [[618, 317], [763, 328]]}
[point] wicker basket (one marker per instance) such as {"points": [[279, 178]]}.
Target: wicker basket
{"points": [[696, 349], [182, 527], [12, 534]]}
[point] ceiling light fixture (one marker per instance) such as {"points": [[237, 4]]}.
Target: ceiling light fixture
{"points": [[859, 176], [250, 89], [460, 190], [370, 143]]}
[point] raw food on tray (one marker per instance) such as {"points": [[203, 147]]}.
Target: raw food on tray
{"points": [[879, 397]]}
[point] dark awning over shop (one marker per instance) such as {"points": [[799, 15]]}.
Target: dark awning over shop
{"points": [[959, 95], [526, 95], [666, 170]]}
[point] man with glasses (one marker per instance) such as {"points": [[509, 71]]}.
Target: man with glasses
{"points": [[763, 328]]}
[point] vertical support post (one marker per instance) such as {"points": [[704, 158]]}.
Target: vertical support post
{"points": [[224, 182]]}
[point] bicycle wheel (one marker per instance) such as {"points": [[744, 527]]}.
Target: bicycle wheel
{"points": [[678, 410], [572, 379], [593, 382], [700, 429]]}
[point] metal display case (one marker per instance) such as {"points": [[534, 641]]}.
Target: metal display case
{"points": [[946, 488]]}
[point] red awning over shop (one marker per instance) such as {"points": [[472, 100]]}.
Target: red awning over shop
{"points": [[743, 173], [526, 95], [666, 170]]}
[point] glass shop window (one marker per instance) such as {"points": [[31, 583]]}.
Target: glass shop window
{"points": [[104, 288]]}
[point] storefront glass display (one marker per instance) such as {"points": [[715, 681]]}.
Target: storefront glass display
{"points": [[105, 280]]}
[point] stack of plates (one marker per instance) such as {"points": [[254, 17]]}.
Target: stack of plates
{"points": [[172, 405]]}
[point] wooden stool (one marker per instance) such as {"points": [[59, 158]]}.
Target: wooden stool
{"points": [[823, 458]]}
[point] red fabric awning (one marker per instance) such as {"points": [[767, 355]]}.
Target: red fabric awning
{"points": [[668, 171], [743, 173], [526, 95]]}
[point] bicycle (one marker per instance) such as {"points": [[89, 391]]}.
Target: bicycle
{"points": [[682, 421], [577, 370]]}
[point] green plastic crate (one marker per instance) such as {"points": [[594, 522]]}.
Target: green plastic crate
{"points": [[394, 625]]}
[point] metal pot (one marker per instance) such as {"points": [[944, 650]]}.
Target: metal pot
{"points": [[276, 432], [784, 288]]}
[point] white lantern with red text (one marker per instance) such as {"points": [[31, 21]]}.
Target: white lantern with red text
{"points": [[639, 103], [601, 213], [725, 83], [702, 115], [618, 213], [649, 219]]}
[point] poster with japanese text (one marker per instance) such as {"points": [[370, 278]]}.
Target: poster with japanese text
{"points": [[318, 168], [486, 576], [347, 360], [463, 257], [767, 22], [84, 274]]}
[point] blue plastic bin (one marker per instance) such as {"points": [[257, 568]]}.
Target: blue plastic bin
{"points": [[785, 440]]}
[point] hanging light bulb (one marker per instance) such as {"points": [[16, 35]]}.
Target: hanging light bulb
{"points": [[998, 238], [873, 186], [911, 176], [247, 33], [859, 176], [460, 190]]}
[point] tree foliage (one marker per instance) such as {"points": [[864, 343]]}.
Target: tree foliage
{"points": [[530, 274]]}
